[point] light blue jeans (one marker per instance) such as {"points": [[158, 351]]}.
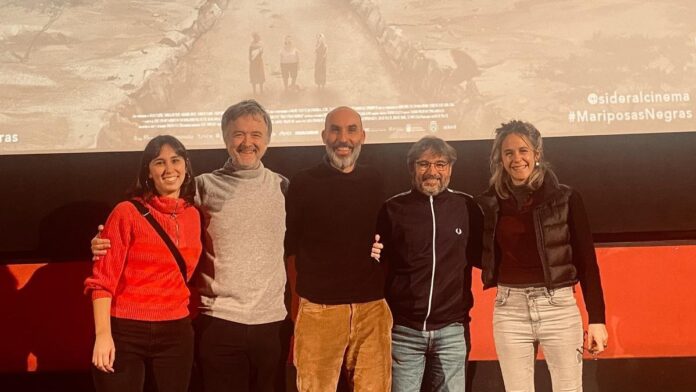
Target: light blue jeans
{"points": [[436, 359], [524, 318]]}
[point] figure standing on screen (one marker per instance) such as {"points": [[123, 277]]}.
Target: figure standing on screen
{"points": [[138, 288], [289, 63], [343, 321], [257, 74], [429, 238], [537, 245], [320, 52], [242, 335]]}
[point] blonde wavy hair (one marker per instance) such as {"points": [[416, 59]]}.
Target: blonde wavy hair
{"points": [[500, 179]]}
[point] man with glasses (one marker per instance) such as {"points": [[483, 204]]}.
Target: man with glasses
{"points": [[429, 237]]}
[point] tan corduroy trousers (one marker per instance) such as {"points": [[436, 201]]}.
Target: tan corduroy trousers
{"points": [[354, 337]]}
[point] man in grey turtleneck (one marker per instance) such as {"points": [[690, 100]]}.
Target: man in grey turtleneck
{"points": [[241, 331], [241, 279]]}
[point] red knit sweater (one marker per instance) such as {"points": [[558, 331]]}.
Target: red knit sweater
{"points": [[139, 272]]}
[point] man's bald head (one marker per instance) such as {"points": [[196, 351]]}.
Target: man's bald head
{"points": [[343, 136], [344, 110]]}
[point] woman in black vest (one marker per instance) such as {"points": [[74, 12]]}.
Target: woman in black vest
{"points": [[537, 245]]}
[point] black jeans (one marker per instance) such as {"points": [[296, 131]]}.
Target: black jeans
{"points": [[161, 349], [239, 357]]}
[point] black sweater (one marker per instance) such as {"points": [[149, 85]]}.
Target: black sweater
{"points": [[331, 219]]}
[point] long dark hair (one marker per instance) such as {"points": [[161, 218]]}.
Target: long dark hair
{"points": [[144, 188]]}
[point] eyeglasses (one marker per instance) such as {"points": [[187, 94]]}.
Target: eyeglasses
{"points": [[425, 165], [590, 350]]}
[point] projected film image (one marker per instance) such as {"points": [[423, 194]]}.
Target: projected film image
{"points": [[108, 75]]}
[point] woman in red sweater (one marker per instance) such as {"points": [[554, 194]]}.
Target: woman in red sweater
{"points": [[140, 298]]}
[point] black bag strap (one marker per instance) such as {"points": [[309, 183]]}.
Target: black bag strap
{"points": [[145, 212]]}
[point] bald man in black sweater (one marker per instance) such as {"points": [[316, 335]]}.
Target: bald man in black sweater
{"points": [[343, 320]]}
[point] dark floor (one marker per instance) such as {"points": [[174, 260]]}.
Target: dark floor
{"points": [[620, 375]]}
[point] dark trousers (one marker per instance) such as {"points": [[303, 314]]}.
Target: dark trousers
{"points": [[239, 357], [161, 349]]}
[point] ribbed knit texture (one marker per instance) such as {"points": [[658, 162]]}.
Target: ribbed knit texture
{"points": [[139, 272], [242, 276]]}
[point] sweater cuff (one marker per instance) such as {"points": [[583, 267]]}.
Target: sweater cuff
{"points": [[596, 319], [98, 293]]}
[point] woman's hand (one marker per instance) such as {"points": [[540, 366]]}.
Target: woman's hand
{"points": [[597, 338], [104, 353]]}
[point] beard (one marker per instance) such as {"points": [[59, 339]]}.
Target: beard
{"points": [[431, 190], [342, 163]]}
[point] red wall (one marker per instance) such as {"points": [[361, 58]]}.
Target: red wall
{"points": [[650, 298], [47, 323]]}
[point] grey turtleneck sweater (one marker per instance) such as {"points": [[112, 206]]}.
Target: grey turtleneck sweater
{"points": [[242, 273]]}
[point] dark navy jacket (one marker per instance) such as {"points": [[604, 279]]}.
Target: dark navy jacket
{"points": [[430, 244]]}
